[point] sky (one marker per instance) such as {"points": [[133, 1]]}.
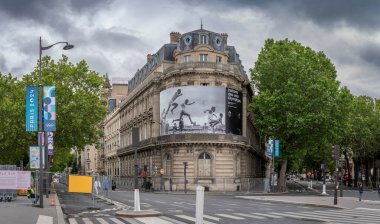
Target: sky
{"points": [[114, 36]]}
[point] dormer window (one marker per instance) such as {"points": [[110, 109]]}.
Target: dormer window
{"points": [[218, 59], [203, 39]]}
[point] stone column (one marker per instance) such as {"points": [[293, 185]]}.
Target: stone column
{"points": [[156, 112], [245, 108]]}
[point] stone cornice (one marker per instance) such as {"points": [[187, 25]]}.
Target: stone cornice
{"points": [[192, 140]]}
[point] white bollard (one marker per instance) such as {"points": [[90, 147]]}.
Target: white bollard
{"points": [[199, 205], [137, 200], [311, 184]]}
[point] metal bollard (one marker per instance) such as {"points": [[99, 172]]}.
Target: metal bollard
{"points": [[199, 205]]}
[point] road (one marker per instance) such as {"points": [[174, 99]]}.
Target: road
{"points": [[219, 208]]}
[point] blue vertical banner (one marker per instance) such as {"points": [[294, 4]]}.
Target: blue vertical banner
{"points": [[270, 147], [31, 108], [49, 108], [277, 148]]}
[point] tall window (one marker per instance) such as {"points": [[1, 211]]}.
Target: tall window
{"points": [[168, 165], [203, 57], [218, 59], [187, 58], [204, 165], [203, 39]]}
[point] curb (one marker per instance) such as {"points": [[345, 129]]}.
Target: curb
{"points": [[58, 208], [134, 214]]}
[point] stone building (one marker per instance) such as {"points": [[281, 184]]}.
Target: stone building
{"points": [[190, 102]]}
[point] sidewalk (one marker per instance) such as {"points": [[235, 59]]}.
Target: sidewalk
{"points": [[321, 201], [22, 211]]}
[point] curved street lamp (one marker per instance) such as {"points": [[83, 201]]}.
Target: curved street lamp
{"points": [[41, 132]]}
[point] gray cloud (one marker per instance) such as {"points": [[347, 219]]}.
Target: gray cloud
{"points": [[114, 36]]}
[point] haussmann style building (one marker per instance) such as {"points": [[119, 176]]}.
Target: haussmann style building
{"points": [[190, 103]]}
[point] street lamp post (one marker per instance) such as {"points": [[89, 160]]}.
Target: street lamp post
{"points": [[41, 132]]}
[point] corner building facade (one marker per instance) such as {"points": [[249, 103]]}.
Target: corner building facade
{"points": [[190, 102]]}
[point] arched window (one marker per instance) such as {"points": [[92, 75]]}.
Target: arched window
{"points": [[204, 165]]}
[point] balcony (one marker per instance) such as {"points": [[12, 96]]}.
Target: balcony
{"points": [[194, 66]]}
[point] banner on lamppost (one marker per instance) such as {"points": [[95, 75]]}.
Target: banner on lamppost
{"points": [[31, 108], [270, 147], [49, 108], [50, 142], [277, 148], [34, 157]]}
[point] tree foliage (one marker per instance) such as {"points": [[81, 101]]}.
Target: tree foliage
{"points": [[79, 106], [299, 100]]}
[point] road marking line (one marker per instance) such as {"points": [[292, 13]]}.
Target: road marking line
{"points": [[268, 215], [43, 219], [369, 209], [230, 216], [131, 221], [87, 221], [115, 220], [250, 216], [155, 220], [172, 220], [102, 221], [211, 217], [193, 219], [72, 221]]}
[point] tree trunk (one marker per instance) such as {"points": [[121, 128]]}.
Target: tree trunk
{"points": [[282, 176]]}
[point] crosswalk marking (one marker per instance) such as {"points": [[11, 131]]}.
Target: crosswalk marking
{"points": [[155, 220], [267, 215], [342, 216], [117, 221], [87, 221], [102, 221], [230, 216], [72, 221], [43, 219], [192, 219], [250, 216], [131, 221], [211, 217], [172, 220]]}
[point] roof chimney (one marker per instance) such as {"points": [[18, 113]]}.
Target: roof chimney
{"points": [[224, 36], [149, 57], [174, 37]]}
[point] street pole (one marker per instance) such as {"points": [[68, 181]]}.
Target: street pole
{"points": [[135, 145], [41, 133], [336, 187], [184, 169], [40, 130]]}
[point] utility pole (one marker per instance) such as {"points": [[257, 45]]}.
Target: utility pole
{"points": [[336, 156], [135, 145]]}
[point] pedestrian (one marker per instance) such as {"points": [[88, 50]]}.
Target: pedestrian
{"points": [[113, 185], [378, 192], [360, 188]]}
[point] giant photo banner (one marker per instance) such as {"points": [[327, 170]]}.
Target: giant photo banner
{"points": [[200, 109]]}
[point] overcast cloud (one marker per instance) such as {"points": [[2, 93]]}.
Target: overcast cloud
{"points": [[114, 36]]}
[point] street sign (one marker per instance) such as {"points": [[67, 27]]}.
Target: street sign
{"points": [[162, 171]]}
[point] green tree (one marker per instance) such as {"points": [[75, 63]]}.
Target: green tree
{"points": [[79, 104], [14, 141], [361, 138], [298, 100]]}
